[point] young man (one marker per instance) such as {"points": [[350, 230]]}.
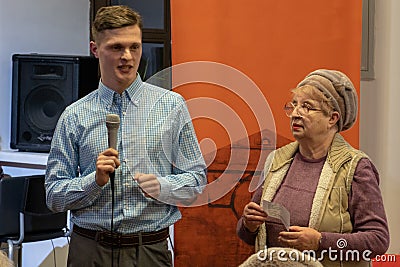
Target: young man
{"points": [[157, 161]]}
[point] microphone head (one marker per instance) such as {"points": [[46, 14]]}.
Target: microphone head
{"points": [[112, 124], [112, 121]]}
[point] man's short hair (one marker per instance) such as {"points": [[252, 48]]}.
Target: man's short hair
{"points": [[114, 17]]}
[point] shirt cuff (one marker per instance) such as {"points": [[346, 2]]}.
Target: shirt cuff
{"points": [[165, 190], [89, 185]]}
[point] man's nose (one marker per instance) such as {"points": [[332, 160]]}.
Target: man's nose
{"points": [[126, 54]]}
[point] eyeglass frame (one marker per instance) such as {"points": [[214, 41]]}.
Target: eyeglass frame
{"points": [[303, 109]]}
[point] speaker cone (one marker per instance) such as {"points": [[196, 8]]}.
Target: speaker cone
{"points": [[43, 107]]}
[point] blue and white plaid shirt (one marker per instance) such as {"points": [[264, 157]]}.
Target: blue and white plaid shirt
{"points": [[156, 136]]}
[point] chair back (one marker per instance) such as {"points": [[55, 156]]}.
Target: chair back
{"points": [[26, 194], [11, 194], [38, 217]]}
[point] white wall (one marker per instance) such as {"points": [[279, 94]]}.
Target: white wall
{"points": [[44, 27], [380, 112], [40, 26]]}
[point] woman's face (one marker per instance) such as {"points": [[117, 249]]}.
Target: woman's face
{"points": [[307, 121]]}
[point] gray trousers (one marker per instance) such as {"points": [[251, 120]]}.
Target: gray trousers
{"points": [[85, 252]]}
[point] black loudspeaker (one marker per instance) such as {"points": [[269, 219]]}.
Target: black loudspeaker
{"points": [[42, 87]]}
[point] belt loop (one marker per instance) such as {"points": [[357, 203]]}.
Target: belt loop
{"points": [[140, 238]]}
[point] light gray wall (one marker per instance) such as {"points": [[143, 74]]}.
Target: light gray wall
{"points": [[380, 112], [39, 26], [44, 27]]}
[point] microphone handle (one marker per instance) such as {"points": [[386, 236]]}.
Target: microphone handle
{"points": [[112, 178]]}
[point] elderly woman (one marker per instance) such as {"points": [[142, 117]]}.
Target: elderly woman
{"points": [[330, 189]]}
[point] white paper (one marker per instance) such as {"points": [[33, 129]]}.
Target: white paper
{"points": [[277, 211]]}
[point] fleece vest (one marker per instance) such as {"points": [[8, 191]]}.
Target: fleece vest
{"points": [[329, 211]]}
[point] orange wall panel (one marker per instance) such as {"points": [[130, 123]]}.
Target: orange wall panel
{"points": [[275, 44]]}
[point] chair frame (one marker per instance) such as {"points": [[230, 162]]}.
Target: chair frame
{"points": [[32, 213]]}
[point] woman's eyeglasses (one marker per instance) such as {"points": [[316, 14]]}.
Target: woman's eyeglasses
{"points": [[302, 110]]}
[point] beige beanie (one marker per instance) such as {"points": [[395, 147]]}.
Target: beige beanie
{"points": [[337, 87]]}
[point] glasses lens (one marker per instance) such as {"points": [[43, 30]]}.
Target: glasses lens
{"points": [[288, 109]]}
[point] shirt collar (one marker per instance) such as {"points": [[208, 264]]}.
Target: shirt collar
{"points": [[133, 92]]}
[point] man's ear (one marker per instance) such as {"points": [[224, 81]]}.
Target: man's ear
{"points": [[93, 48]]}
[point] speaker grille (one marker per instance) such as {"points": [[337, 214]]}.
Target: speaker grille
{"points": [[43, 86]]}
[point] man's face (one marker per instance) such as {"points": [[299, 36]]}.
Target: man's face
{"points": [[119, 52]]}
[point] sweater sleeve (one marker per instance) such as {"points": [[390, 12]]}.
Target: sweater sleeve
{"points": [[241, 230], [370, 229]]}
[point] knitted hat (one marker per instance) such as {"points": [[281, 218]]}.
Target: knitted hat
{"points": [[336, 86]]}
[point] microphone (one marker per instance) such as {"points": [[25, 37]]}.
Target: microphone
{"points": [[112, 123]]}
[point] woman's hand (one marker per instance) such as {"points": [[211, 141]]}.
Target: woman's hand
{"points": [[253, 216], [301, 238]]}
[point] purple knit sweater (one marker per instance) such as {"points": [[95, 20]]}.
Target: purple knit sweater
{"points": [[370, 229]]}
